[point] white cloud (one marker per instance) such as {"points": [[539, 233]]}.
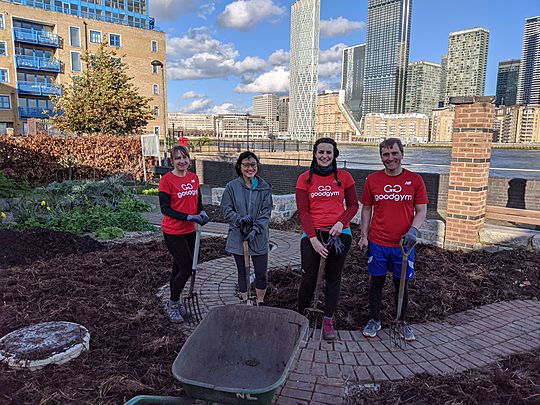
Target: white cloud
{"points": [[205, 105], [197, 55], [333, 54], [245, 14], [340, 26], [279, 58], [192, 94], [274, 81], [197, 106], [330, 69], [172, 9], [227, 108]]}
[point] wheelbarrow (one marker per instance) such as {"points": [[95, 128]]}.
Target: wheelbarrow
{"points": [[237, 355]]}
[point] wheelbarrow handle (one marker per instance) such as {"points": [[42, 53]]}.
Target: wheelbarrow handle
{"points": [[195, 257]]}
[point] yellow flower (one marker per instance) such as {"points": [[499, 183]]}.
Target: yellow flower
{"points": [[43, 203], [3, 215], [48, 208]]}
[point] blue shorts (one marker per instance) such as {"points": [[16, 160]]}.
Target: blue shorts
{"points": [[385, 259]]}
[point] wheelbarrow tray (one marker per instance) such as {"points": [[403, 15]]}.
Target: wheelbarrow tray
{"points": [[240, 354]]}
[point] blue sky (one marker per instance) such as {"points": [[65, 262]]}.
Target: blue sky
{"points": [[220, 53]]}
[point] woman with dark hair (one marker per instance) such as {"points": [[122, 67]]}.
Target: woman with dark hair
{"points": [[320, 196], [181, 205], [247, 205]]}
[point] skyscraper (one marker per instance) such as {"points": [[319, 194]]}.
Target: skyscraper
{"points": [[529, 73], [266, 105], [442, 93], [423, 87], [387, 56], [507, 82], [467, 62], [305, 21], [352, 79]]}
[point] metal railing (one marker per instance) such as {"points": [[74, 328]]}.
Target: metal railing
{"points": [[34, 63], [39, 89], [28, 112], [33, 36]]}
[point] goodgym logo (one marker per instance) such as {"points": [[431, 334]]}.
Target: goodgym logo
{"points": [[188, 190], [392, 192], [324, 191]]}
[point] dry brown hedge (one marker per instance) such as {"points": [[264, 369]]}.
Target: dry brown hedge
{"points": [[42, 159]]}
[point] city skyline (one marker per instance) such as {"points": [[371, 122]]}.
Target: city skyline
{"points": [[221, 53]]}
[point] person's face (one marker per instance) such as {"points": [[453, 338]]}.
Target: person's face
{"points": [[324, 154], [391, 157], [248, 166], [181, 162]]}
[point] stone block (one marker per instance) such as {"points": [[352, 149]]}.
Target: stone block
{"points": [[217, 194], [536, 242], [432, 232], [506, 236]]}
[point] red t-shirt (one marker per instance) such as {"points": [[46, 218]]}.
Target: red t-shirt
{"points": [[184, 193], [326, 198], [393, 199]]}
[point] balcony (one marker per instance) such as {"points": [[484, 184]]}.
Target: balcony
{"points": [[38, 89], [29, 112], [37, 37], [33, 63]]}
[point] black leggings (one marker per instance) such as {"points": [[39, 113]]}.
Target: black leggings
{"points": [[181, 248], [332, 275], [375, 296], [260, 264]]}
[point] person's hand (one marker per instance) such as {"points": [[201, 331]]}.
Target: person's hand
{"points": [[318, 247], [251, 235], [336, 229], [204, 217], [246, 220], [363, 244], [409, 239], [195, 218]]}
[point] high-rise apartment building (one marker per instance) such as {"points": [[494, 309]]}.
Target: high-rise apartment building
{"points": [[305, 21], [467, 62], [266, 105], [442, 92], [283, 116], [352, 78], [507, 82], [442, 125], [423, 87], [332, 120], [410, 128], [387, 56], [519, 124], [41, 43], [529, 71]]}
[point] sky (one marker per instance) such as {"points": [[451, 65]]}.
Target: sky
{"points": [[220, 53]]}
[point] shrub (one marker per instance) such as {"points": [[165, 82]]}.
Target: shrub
{"points": [[129, 203], [110, 232], [10, 188]]}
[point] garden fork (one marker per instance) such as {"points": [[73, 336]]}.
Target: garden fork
{"points": [[396, 327], [251, 300], [191, 301]]}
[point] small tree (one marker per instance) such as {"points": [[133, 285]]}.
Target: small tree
{"points": [[102, 100]]}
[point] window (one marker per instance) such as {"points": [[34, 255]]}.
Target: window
{"points": [[156, 90], [156, 111], [114, 40], [76, 62], [154, 46], [2, 22], [95, 37], [155, 69], [75, 36], [157, 130], [5, 102], [3, 48], [4, 76]]}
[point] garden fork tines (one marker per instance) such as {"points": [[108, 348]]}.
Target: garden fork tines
{"points": [[396, 327], [191, 301]]}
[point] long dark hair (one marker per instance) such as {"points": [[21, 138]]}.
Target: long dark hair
{"points": [[246, 155], [334, 161]]}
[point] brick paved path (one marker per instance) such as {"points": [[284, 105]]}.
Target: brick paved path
{"points": [[463, 341]]}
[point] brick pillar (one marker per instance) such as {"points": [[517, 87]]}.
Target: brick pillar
{"points": [[469, 170]]}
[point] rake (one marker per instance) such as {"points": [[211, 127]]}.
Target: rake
{"points": [[191, 301], [396, 327]]}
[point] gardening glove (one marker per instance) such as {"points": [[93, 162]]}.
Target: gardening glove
{"points": [[409, 239], [246, 220], [251, 235], [335, 243], [204, 217], [195, 218]]}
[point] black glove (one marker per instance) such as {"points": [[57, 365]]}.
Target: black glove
{"points": [[204, 217], [246, 221], [195, 218], [336, 244], [409, 239], [251, 235]]}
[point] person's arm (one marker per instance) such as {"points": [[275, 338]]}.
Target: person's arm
{"points": [[419, 215], [200, 206], [229, 211], [302, 205], [165, 204], [365, 221], [263, 219], [352, 205]]}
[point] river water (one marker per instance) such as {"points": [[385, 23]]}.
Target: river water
{"points": [[504, 162]]}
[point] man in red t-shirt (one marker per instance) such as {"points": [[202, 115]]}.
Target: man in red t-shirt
{"points": [[394, 206]]}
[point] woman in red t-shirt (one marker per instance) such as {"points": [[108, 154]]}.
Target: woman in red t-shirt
{"points": [[181, 205], [320, 195]]}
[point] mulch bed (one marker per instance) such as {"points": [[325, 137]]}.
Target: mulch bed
{"points": [[515, 380], [110, 291]]}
